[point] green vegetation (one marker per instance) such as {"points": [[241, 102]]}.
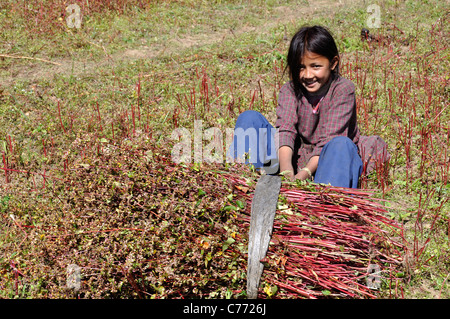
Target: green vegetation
{"points": [[86, 116]]}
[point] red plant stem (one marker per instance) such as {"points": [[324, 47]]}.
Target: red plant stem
{"points": [[43, 144], [147, 125], [321, 244], [5, 167], [322, 279], [71, 122], [252, 101], [133, 119], [60, 119], [43, 175], [130, 278], [193, 102], [10, 144], [175, 117], [418, 72], [204, 89], [34, 183], [99, 117], [139, 97], [297, 290]]}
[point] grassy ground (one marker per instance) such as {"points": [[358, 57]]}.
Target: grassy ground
{"points": [[110, 93]]}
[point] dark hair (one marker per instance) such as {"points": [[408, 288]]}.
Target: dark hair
{"points": [[315, 39]]}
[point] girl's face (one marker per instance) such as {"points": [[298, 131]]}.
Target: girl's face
{"points": [[315, 70]]}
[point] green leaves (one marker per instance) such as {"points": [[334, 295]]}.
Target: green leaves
{"points": [[140, 227], [235, 205], [227, 243]]}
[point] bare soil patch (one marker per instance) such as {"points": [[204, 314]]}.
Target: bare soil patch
{"points": [[37, 69]]}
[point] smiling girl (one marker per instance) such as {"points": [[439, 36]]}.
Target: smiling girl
{"points": [[317, 131]]}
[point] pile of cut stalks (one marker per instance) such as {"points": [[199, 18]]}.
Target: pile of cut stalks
{"points": [[330, 242]]}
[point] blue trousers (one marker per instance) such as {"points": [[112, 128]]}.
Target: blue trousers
{"points": [[254, 141], [339, 163]]}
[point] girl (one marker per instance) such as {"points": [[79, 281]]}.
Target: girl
{"points": [[317, 133]]}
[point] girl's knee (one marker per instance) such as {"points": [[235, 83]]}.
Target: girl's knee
{"points": [[249, 118], [341, 145], [249, 114], [341, 141]]}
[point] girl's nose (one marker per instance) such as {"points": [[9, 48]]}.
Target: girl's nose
{"points": [[308, 73]]}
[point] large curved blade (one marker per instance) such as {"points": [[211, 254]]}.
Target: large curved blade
{"points": [[264, 206]]}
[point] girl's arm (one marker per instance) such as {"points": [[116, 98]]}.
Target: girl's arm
{"points": [[285, 158], [311, 166], [287, 119]]}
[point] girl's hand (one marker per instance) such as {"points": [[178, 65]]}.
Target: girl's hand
{"points": [[302, 175], [285, 158], [289, 175], [307, 171]]}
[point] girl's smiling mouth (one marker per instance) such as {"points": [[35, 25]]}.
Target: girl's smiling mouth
{"points": [[310, 83]]}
